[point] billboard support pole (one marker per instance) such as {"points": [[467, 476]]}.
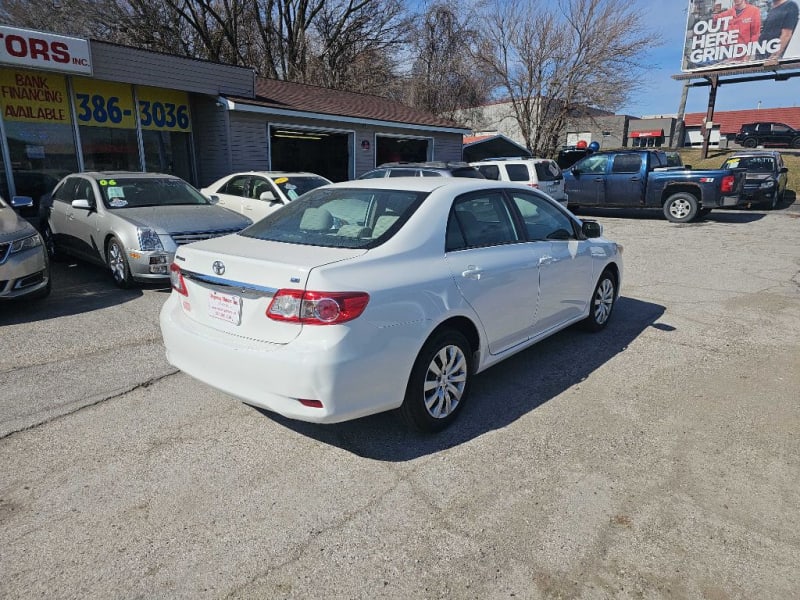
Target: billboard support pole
{"points": [[680, 127], [712, 100]]}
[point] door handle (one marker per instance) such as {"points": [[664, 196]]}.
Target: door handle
{"points": [[635, 178], [598, 179], [472, 272], [545, 260]]}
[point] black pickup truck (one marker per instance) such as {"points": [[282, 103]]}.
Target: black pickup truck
{"points": [[642, 178]]}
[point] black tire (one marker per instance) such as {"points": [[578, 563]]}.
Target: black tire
{"points": [[50, 245], [681, 207], [773, 204], [703, 212], [750, 142], [116, 261], [439, 383], [601, 303], [795, 143]]}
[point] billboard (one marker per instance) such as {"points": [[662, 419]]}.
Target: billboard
{"points": [[723, 34]]}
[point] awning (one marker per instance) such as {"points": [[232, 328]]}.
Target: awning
{"points": [[654, 133]]}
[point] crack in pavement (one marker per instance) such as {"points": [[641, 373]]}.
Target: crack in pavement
{"points": [[138, 386]]}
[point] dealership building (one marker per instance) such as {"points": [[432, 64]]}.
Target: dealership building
{"points": [[70, 104]]}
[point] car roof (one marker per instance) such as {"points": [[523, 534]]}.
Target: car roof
{"points": [[426, 184], [278, 174], [771, 153], [123, 175]]}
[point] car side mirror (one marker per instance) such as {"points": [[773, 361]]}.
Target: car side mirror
{"points": [[267, 197], [214, 199], [784, 169], [592, 229], [687, 167], [575, 171], [82, 203], [21, 201]]}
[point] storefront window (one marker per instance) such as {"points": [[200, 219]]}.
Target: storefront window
{"points": [[166, 131], [168, 152], [38, 127], [107, 125]]}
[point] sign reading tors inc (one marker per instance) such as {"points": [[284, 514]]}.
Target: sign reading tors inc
{"points": [[38, 50], [723, 34]]}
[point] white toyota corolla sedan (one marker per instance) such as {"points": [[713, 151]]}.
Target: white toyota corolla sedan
{"points": [[372, 295]]}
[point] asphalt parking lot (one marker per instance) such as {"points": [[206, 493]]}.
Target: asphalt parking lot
{"points": [[657, 459]]}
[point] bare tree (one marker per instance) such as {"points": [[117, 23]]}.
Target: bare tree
{"points": [[556, 59], [445, 76]]}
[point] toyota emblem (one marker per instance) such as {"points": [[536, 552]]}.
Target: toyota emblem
{"points": [[218, 267]]}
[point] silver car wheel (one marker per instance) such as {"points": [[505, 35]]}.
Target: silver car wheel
{"points": [[445, 381], [603, 301], [680, 209], [116, 261]]}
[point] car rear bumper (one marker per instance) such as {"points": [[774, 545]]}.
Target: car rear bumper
{"points": [[353, 377]]}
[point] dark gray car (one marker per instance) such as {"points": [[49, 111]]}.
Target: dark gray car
{"points": [[24, 267], [132, 222], [766, 176]]}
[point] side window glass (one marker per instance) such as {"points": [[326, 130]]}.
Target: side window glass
{"points": [[780, 128], [83, 191], [543, 221], [593, 164], [626, 163], [259, 186], [480, 219], [518, 172], [403, 173], [236, 186], [431, 173], [490, 171], [66, 193], [376, 174]]}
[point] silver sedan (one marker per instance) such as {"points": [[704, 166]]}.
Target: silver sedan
{"points": [[132, 222]]}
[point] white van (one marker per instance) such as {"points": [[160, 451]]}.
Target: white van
{"points": [[540, 173]]}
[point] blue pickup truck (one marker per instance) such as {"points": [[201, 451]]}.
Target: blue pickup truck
{"points": [[644, 179]]}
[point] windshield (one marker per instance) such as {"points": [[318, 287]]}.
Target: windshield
{"points": [[136, 192], [755, 164], [295, 186], [339, 218]]}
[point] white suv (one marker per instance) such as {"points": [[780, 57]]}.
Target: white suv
{"points": [[541, 173]]}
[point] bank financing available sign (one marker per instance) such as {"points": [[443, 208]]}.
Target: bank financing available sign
{"points": [[722, 34], [38, 50]]}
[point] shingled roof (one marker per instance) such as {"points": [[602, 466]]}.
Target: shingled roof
{"points": [[730, 121], [302, 98]]}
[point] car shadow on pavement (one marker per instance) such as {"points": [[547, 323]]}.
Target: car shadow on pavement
{"points": [[500, 395], [77, 288]]}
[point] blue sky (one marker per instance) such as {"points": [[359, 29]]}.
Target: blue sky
{"points": [[660, 94]]}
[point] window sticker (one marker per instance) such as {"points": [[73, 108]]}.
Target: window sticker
{"points": [[105, 182], [118, 203], [281, 180], [115, 192], [733, 163], [292, 194], [290, 186]]}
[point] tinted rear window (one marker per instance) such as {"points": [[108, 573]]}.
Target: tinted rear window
{"points": [[518, 172], [548, 171], [467, 172]]}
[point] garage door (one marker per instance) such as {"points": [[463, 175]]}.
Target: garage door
{"points": [[325, 153]]}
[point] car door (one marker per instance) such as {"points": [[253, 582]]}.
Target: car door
{"points": [[59, 211], [81, 224], [565, 261], [625, 181], [233, 193], [586, 182], [493, 267]]}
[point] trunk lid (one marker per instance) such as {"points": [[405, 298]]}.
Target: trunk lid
{"points": [[231, 281]]}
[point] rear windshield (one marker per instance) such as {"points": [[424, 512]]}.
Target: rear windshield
{"points": [[138, 192], [339, 218], [548, 171]]}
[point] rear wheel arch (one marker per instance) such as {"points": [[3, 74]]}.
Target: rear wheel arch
{"points": [[463, 325]]}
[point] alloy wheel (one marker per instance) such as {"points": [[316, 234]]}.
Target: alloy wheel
{"points": [[445, 381]]}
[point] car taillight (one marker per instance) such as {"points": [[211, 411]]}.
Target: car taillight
{"points": [[176, 280], [533, 185], [728, 183], [316, 308]]}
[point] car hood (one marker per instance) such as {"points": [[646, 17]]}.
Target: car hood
{"points": [[183, 218], [12, 227]]}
